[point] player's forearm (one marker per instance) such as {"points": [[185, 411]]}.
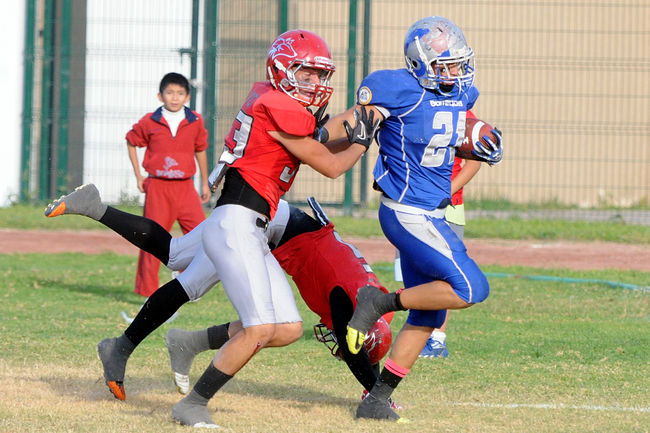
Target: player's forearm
{"points": [[202, 161], [336, 129], [133, 157], [337, 164], [469, 170], [319, 157]]}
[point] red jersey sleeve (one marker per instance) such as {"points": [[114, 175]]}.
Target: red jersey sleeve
{"points": [[138, 135], [286, 118]]}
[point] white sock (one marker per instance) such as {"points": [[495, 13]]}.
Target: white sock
{"points": [[439, 336]]}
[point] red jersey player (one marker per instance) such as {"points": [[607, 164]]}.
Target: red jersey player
{"points": [[328, 273], [270, 137]]}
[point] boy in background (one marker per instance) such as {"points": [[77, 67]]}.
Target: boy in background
{"points": [[173, 136]]}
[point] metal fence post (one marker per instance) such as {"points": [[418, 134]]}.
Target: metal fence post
{"points": [[45, 147], [63, 85], [363, 170], [351, 84], [28, 86], [210, 46], [283, 16]]}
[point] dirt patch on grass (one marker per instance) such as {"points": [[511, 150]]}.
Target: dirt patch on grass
{"points": [[539, 254]]}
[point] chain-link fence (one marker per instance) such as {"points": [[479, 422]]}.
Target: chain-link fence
{"points": [[564, 80]]}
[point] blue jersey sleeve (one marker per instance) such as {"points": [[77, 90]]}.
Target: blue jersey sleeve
{"points": [[380, 89]]}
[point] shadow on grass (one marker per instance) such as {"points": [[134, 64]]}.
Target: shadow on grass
{"points": [[145, 395], [110, 292]]}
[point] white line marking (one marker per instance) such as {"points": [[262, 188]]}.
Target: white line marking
{"points": [[553, 406]]}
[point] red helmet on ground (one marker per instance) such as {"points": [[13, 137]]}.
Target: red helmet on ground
{"points": [[297, 49], [378, 340]]}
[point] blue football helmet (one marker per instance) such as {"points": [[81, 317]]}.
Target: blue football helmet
{"points": [[437, 54]]}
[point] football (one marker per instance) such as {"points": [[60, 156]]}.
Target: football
{"points": [[474, 130]]}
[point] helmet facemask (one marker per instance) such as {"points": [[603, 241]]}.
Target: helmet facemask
{"points": [[326, 336], [305, 92]]}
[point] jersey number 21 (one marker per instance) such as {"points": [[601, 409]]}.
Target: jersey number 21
{"points": [[436, 151]]}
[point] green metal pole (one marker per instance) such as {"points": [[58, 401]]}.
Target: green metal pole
{"points": [[283, 16], [352, 72], [363, 174], [210, 45], [28, 85], [63, 103], [44, 155], [194, 52]]}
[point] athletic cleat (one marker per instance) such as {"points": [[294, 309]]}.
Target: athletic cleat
{"points": [[434, 349], [373, 408], [364, 317], [192, 414], [117, 389], [84, 200], [181, 357], [113, 357], [355, 340], [393, 405], [182, 382]]}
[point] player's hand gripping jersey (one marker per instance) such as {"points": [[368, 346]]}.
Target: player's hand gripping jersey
{"points": [[417, 141], [262, 161]]}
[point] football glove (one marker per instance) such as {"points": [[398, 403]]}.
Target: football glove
{"points": [[364, 130], [320, 132], [489, 150]]}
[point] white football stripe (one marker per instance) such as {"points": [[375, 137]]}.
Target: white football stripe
{"points": [[476, 132]]}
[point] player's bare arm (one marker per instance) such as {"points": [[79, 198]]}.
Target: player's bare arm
{"points": [[469, 170], [318, 156]]}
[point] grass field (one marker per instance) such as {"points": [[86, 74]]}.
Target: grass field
{"points": [[537, 356]]}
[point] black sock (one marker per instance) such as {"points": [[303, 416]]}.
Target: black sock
{"points": [[398, 302], [142, 232], [387, 302], [218, 335], [211, 381], [385, 385], [389, 378], [156, 310]]}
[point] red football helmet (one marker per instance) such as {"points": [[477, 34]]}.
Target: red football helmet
{"points": [[377, 343], [296, 49], [378, 340]]}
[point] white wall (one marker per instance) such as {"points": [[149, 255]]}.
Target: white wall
{"points": [[12, 40]]}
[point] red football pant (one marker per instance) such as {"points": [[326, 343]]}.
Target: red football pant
{"points": [[166, 201]]}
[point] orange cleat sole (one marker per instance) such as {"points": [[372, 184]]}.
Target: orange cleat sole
{"points": [[60, 209], [117, 389]]}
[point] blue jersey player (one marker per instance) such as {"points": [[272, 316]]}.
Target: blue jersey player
{"points": [[422, 109]]}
